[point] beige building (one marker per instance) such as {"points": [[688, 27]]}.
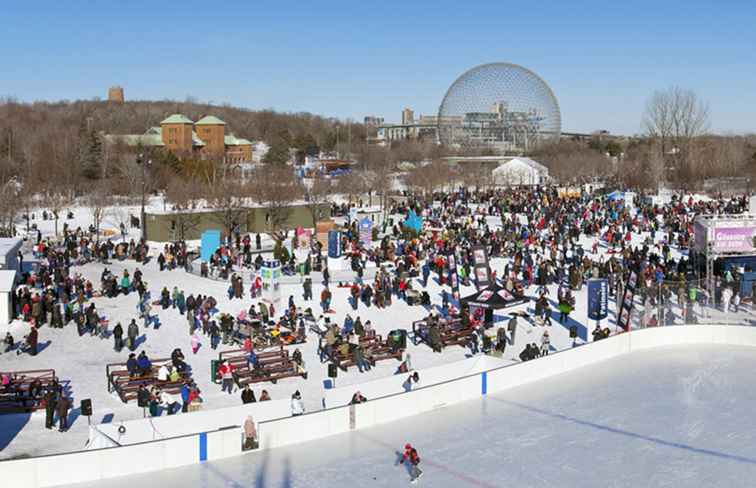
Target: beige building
{"points": [[206, 138]]}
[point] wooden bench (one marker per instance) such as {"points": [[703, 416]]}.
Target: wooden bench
{"points": [[374, 348], [16, 397], [451, 333], [275, 365], [127, 386]]}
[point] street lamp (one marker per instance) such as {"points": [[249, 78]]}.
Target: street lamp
{"points": [[142, 218]]}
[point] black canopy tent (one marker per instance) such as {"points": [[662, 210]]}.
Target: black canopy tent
{"points": [[493, 297]]}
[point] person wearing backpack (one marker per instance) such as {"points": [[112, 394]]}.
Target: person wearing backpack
{"points": [[413, 459]]}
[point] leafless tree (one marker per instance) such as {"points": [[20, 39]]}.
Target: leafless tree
{"points": [[276, 189], [675, 118], [56, 198], [98, 200], [183, 195], [317, 194], [229, 197]]}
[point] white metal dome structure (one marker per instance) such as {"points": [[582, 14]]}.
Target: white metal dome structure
{"points": [[501, 106]]}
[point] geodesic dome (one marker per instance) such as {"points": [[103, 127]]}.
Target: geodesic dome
{"points": [[501, 106]]}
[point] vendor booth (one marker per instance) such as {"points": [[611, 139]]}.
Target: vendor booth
{"points": [[493, 297]]}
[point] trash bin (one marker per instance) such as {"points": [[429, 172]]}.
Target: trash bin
{"points": [[214, 363]]}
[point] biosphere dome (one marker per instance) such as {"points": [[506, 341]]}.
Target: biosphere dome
{"points": [[501, 106]]}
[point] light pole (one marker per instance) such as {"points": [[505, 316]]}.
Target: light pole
{"points": [[142, 218]]}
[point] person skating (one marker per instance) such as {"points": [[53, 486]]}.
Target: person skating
{"points": [[412, 458]]}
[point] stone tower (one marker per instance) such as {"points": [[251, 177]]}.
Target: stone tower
{"points": [[115, 94]]}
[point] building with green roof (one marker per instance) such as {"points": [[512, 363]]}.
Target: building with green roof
{"points": [[207, 138]]}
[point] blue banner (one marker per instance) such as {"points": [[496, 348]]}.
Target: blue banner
{"points": [[366, 231], [598, 299], [334, 244], [210, 243]]}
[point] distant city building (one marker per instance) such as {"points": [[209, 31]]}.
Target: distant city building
{"points": [[373, 121], [205, 138], [115, 94], [425, 128]]}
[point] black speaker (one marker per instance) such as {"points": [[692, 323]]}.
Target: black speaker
{"points": [[86, 407], [333, 371], [573, 332]]}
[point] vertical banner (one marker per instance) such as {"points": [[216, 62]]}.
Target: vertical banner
{"points": [[366, 232], [211, 240], [453, 275], [598, 299], [334, 244], [481, 269], [627, 301]]}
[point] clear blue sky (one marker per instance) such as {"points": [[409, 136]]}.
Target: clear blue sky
{"points": [[350, 59]]}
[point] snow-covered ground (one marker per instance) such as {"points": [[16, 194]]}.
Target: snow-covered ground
{"points": [[81, 360], [673, 416]]}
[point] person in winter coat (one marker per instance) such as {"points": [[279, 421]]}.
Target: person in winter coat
{"points": [[412, 459], [144, 364], [131, 366], [247, 395], [64, 404], [31, 341], [545, 343], [297, 405], [226, 374], [131, 335], [307, 287], [250, 434], [195, 340], [118, 337], [185, 393], [512, 329], [50, 404]]}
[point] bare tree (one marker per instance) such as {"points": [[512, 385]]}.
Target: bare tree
{"points": [[98, 200], [229, 198], [674, 118], [183, 196], [56, 198], [276, 189], [317, 194]]}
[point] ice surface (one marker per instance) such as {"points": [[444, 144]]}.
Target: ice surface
{"points": [[674, 416]]}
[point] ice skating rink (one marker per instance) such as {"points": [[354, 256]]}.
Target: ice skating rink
{"points": [[675, 416]]}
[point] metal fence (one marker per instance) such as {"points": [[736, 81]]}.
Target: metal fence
{"points": [[689, 302]]}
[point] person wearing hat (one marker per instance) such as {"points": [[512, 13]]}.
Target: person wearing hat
{"points": [[545, 343], [413, 459], [297, 405]]}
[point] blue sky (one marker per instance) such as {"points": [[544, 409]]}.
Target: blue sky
{"points": [[350, 59]]}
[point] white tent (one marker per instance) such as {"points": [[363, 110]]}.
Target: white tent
{"points": [[520, 171], [7, 286]]}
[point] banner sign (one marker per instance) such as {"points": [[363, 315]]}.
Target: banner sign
{"points": [[366, 231], [627, 301], [210, 243], [453, 275], [334, 244], [733, 239], [598, 299], [481, 269]]}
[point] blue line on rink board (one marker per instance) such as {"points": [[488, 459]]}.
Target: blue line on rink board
{"points": [[203, 446], [484, 383]]}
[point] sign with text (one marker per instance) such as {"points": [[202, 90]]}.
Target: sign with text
{"points": [[598, 299]]}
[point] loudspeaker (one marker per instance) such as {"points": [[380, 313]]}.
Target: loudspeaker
{"points": [[86, 407], [573, 332], [333, 371]]}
